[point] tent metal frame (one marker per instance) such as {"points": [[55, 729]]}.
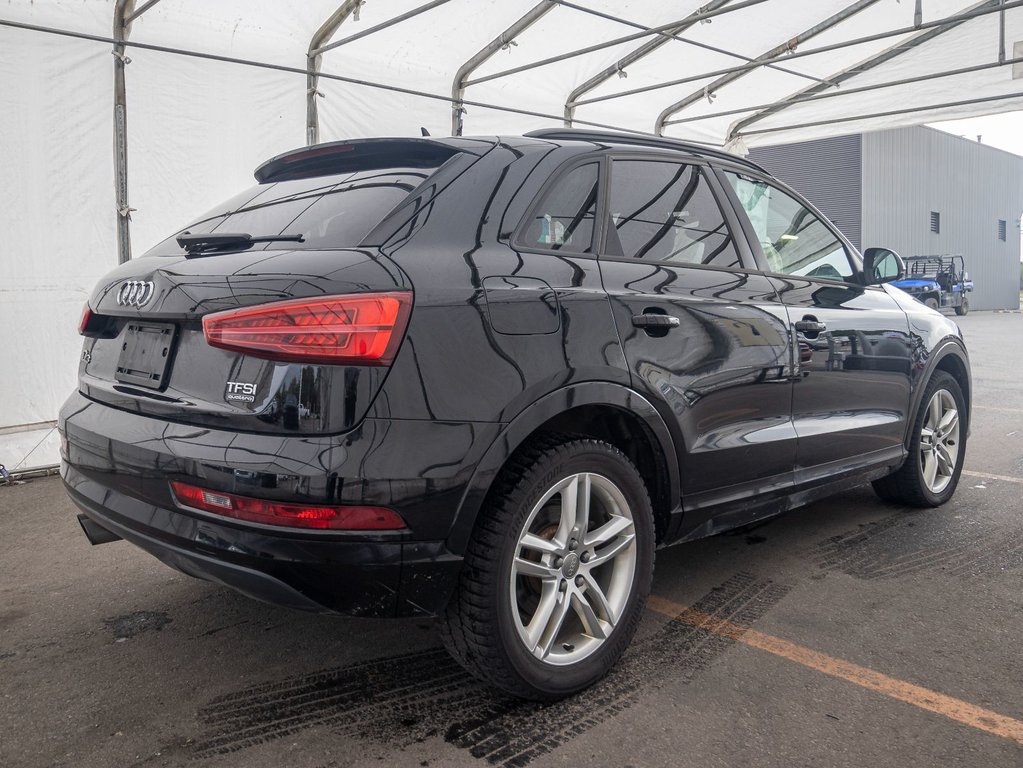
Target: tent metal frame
{"points": [[773, 54], [876, 37], [889, 113], [653, 38], [125, 13], [502, 41], [314, 58], [885, 56]]}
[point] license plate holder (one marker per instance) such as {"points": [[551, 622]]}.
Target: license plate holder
{"points": [[145, 356]]}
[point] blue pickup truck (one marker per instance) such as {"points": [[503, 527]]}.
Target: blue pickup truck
{"points": [[940, 282]]}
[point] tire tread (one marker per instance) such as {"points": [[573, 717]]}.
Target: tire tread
{"points": [[467, 625]]}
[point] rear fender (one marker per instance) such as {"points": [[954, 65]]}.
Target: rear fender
{"points": [[531, 419]]}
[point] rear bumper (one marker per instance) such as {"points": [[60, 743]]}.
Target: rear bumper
{"points": [[117, 467], [324, 576]]}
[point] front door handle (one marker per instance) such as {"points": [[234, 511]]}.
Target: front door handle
{"points": [[810, 326], [655, 320]]}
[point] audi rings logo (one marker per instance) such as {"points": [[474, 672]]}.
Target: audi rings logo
{"points": [[135, 293]]}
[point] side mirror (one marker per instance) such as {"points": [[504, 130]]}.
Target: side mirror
{"points": [[882, 265]]}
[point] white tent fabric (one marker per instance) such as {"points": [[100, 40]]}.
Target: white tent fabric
{"points": [[197, 127]]}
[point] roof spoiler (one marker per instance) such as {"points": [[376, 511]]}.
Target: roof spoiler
{"points": [[361, 155]]}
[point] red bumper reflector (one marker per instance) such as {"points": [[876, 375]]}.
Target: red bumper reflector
{"points": [[285, 513], [355, 329]]}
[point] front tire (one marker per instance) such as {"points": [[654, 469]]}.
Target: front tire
{"points": [[932, 303], [931, 472], [557, 573]]}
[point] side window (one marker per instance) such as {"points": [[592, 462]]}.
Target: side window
{"points": [[794, 240], [563, 221], [664, 211]]}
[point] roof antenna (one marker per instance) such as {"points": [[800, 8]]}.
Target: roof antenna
{"points": [[424, 131]]}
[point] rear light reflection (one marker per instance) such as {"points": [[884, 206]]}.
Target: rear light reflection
{"points": [[357, 329], [83, 322], [340, 518]]}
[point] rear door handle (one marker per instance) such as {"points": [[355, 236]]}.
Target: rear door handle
{"points": [[811, 326], [655, 320]]}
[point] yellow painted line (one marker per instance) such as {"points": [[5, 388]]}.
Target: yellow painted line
{"points": [[924, 698], [987, 476]]}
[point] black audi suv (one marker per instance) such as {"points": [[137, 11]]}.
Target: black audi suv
{"points": [[483, 379]]}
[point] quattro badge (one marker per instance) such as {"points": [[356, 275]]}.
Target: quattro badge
{"points": [[240, 391]]}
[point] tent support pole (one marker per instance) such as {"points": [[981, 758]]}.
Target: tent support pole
{"points": [[503, 40], [121, 7], [1001, 33], [314, 58], [124, 14], [775, 53]]}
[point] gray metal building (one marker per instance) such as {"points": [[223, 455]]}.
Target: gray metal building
{"points": [[918, 191]]}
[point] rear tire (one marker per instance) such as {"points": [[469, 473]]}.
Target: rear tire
{"points": [[930, 474], [932, 303], [963, 308], [557, 572]]}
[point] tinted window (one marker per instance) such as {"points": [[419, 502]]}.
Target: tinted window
{"points": [[664, 211], [346, 214], [563, 221], [328, 211], [794, 240]]}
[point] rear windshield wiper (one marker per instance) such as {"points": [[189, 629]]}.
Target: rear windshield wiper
{"points": [[198, 245]]}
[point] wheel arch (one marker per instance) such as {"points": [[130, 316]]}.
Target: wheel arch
{"points": [[949, 356], [601, 410]]}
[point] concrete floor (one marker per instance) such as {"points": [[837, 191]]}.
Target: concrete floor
{"points": [[871, 614]]}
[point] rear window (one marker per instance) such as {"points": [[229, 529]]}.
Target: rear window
{"points": [[327, 211]]}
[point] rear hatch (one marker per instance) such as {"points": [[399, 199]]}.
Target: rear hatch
{"points": [[299, 335]]}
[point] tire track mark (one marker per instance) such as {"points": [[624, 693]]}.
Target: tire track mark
{"points": [[906, 544], [406, 699]]}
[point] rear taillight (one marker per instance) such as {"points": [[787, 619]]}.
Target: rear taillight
{"points": [[356, 329], [83, 322], [340, 518]]}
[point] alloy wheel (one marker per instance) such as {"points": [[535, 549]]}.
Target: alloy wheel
{"points": [[572, 573], [939, 441]]}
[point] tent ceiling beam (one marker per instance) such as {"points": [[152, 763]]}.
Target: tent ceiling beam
{"points": [[960, 17], [632, 57], [795, 100], [890, 113], [129, 18], [382, 25], [619, 67], [777, 52], [615, 41], [500, 42], [875, 61]]}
